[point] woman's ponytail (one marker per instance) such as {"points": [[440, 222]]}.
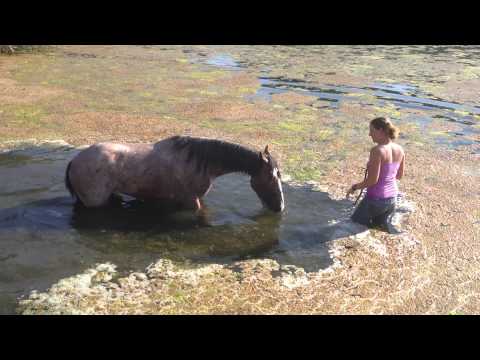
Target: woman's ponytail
{"points": [[386, 125]]}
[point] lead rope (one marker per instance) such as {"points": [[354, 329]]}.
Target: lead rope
{"points": [[361, 191]]}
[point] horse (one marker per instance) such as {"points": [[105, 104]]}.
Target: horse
{"points": [[177, 169]]}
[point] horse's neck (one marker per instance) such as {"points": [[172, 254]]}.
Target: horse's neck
{"points": [[216, 172], [217, 158], [247, 165]]}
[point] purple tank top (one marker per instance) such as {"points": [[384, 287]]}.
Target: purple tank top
{"points": [[386, 187]]}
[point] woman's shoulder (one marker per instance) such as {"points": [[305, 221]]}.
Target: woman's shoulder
{"points": [[379, 149], [398, 147], [376, 148], [398, 153]]}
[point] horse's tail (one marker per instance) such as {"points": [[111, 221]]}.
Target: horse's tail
{"points": [[68, 184]]}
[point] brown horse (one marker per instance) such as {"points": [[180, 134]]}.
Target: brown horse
{"points": [[179, 169]]}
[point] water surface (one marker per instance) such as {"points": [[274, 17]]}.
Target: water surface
{"points": [[44, 237]]}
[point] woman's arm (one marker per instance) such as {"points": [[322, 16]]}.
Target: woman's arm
{"points": [[400, 168], [373, 167]]}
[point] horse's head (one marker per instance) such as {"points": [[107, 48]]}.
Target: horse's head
{"points": [[267, 183]]}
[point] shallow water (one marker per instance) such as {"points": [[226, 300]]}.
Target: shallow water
{"points": [[397, 95], [44, 238]]}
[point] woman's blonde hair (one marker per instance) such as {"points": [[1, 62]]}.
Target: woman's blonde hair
{"points": [[386, 125]]}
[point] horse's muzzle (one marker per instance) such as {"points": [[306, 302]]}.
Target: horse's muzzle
{"points": [[276, 209]]}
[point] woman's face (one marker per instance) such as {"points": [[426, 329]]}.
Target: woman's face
{"points": [[376, 134]]}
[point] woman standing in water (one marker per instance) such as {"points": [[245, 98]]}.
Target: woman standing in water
{"points": [[385, 166]]}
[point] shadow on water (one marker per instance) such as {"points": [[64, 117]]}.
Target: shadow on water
{"points": [[44, 237]]}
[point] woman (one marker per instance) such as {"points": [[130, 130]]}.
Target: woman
{"points": [[385, 166]]}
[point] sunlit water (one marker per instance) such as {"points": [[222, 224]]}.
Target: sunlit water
{"points": [[44, 238], [399, 95]]}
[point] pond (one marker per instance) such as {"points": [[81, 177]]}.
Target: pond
{"points": [[44, 237]]}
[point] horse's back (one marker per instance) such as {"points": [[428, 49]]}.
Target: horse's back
{"points": [[142, 170]]}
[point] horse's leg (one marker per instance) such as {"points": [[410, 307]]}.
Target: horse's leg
{"points": [[96, 191], [97, 199]]}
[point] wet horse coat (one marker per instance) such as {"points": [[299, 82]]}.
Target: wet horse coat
{"points": [[179, 169]]}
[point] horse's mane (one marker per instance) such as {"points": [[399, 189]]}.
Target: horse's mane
{"points": [[222, 155]]}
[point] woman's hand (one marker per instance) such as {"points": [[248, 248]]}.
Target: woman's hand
{"points": [[351, 190]]}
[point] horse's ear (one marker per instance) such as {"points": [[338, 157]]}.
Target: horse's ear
{"points": [[266, 150], [263, 157]]}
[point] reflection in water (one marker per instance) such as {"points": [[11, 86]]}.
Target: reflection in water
{"points": [[44, 237]]}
